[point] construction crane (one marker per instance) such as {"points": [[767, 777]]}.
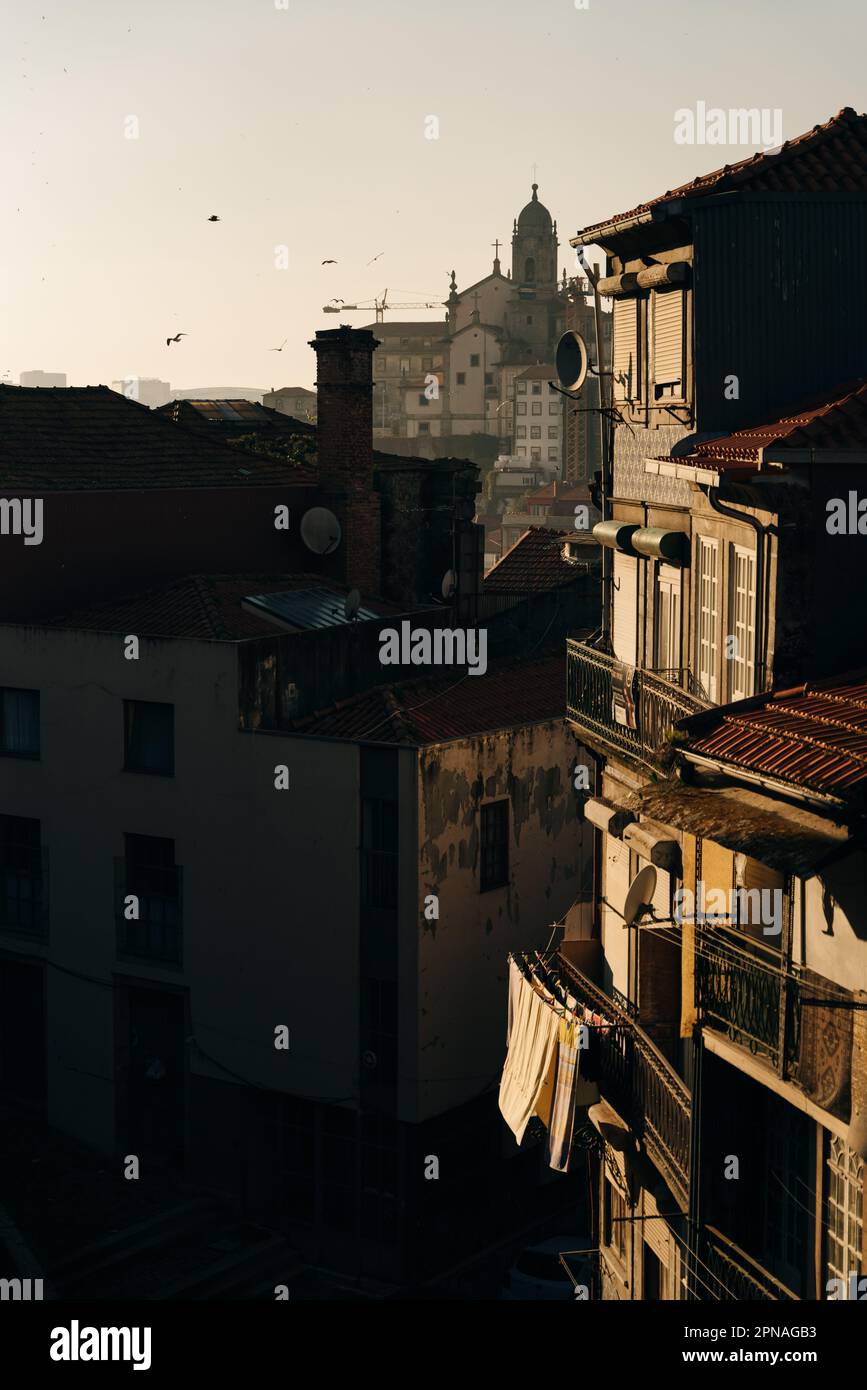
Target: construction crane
{"points": [[379, 305]]}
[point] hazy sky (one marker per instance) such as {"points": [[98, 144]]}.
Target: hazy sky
{"points": [[304, 126]]}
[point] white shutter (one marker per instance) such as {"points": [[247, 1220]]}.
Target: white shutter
{"points": [[667, 651], [742, 622], [707, 613], [615, 940], [626, 378], [668, 338], [625, 621]]}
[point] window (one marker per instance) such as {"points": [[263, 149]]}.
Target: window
{"points": [[529, 270], [423, 400], [149, 737], [742, 622], [521, 407], [461, 378], [535, 431], [536, 408], [553, 407], [529, 318], [22, 897], [536, 454], [424, 427], [380, 1032], [489, 378], [19, 722], [148, 871], [536, 388], [553, 432], [553, 455], [615, 1221], [415, 365], [521, 387], [522, 453], [627, 383], [404, 366], [667, 620], [426, 364], [844, 1234], [404, 342], [522, 432], [494, 834], [668, 343], [706, 613], [379, 852], [474, 359]]}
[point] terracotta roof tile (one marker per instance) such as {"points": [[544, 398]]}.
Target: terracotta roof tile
{"points": [[830, 158], [814, 736], [425, 712], [533, 564], [89, 437]]}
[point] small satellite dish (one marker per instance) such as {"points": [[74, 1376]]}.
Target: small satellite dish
{"points": [[572, 361], [351, 604], [449, 584], [640, 895], [320, 530]]}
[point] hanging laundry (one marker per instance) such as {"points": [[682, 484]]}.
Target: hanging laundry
{"points": [[572, 1091], [532, 1043]]}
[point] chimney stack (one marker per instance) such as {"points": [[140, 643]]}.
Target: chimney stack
{"points": [[344, 382]]}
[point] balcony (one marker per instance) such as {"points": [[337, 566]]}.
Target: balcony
{"points": [[641, 1085], [24, 890], [629, 710], [744, 991], [729, 1274], [156, 933]]}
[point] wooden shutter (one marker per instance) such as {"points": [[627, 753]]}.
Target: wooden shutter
{"points": [[626, 379], [625, 608], [742, 622], [668, 338], [707, 614]]}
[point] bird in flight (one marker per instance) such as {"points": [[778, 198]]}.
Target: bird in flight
{"points": [[281, 347], [375, 258], [214, 218], [175, 339], [337, 301], [329, 263]]}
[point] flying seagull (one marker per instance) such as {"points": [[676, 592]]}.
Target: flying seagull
{"points": [[281, 347], [376, 258], [213, 217], [175, 339], [337, 301], [329, 263]]}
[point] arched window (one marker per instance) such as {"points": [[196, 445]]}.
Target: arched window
{"points": [[529, 270]]}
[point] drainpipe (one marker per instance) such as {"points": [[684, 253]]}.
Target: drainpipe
{"points": [[761, 533], [606, 430]]}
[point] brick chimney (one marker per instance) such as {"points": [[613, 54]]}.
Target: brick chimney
{"points": [[344, 381]]}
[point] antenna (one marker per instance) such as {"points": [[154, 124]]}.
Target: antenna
{"points": [[320, 530], [449, 585], [351, 605], [639, 899]]}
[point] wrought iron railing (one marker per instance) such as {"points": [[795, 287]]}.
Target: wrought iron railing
{"points": [[627, 707], [730, 1274], [747, 992], [24, 889], [148, 911], [641, 1085]]}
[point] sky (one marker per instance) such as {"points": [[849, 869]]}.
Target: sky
{"points": [[303, 124]]}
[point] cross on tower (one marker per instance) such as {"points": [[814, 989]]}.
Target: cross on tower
{"points": [[496, 246], [535, 170]]}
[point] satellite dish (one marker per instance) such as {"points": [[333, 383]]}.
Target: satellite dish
{"points": [[572, 361], [640, 895], [320, 530], [449, 584], [351, 604]]}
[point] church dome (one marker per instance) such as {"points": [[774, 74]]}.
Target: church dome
{"points": [[535, 216]]}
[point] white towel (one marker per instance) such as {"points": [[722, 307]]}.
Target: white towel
{"points": [[531, 1046]]}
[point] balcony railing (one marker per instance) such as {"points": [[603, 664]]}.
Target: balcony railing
{"points": [[745, 991], [154, 933], [628, 708], [24, 889], [728, 1273], [638, 1081]]}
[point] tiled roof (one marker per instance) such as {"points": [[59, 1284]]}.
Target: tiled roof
{"points": [[424, 712], [89, 437], [813, 737], [539, 372], [562, 492], [533, 564], [836, 420], [235, 415], [830, 158], [198, 607]]}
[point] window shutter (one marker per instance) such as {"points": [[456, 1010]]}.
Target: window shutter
{"points": [[626, 379], [668, 337]]}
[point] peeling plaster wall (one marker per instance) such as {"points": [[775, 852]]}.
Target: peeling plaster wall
{"points": [[462, 967]]}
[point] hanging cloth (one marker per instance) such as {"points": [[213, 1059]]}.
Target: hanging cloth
{"points": [[531, 1046]]}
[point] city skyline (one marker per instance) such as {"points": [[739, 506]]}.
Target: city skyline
{"points": [[108, 247]]}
